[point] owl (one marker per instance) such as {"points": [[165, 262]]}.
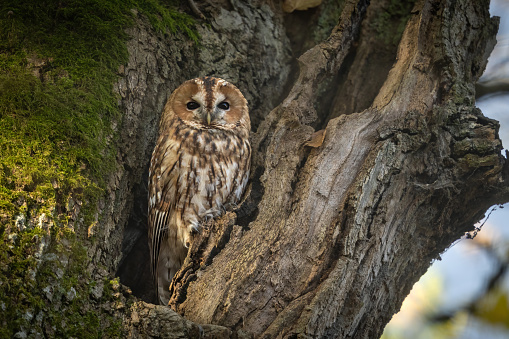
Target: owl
{"points": [[199, 168]]}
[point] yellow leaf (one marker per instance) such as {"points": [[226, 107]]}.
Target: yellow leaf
{"points": [[316, 139]]}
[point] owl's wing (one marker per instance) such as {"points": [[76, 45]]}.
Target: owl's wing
{"points": [[163, 178]]}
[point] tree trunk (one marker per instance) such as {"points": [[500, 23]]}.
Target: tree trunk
{"points": [[341, 232], [332, 233]]}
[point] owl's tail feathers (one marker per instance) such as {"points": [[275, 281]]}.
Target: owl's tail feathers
{"points": [[169, 262], [162, 275]]}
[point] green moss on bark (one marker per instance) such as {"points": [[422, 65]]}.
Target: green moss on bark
{"points": [[58, 63], [390, 22]]}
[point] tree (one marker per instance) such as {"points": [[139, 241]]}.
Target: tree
{"points": [[332, 233]]}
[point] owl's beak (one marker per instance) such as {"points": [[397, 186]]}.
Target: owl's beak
{"points": [[208, 118]]}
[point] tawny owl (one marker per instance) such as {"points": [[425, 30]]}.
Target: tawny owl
{"points": [[199, 167]]}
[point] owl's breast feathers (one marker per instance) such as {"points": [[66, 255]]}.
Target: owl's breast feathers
{"points": [[195, 174]]}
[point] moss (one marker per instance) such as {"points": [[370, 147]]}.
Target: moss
{"points": [[58, 63], [390, 22], [330, 12], [63, 299], [165, 19], [472, 162]]}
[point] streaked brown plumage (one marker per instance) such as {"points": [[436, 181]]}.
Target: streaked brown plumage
{"points": [[199, 167]]}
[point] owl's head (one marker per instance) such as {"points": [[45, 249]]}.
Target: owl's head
{"points": [[210, 103]]}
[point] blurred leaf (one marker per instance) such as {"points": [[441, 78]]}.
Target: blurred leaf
{"points": [[494, 308]]}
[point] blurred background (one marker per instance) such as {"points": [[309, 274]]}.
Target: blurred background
{"points": [[466, 294]]}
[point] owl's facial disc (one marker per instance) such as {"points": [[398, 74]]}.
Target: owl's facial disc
{"points": [[217, 109], [208, 113], [197, 106], [211, 103]]}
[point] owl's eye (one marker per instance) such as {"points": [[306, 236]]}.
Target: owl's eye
{"points": [[224, 105], [192, 105]]}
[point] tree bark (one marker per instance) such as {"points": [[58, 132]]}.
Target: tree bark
{"points": [[334, 237]]}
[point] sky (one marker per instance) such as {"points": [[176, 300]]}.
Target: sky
{"points": [[464, 268]]}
